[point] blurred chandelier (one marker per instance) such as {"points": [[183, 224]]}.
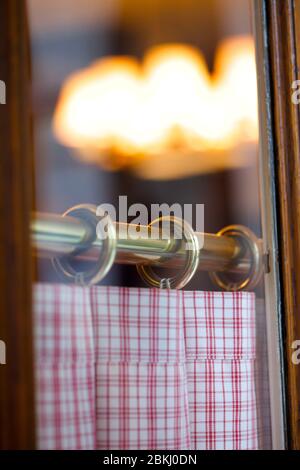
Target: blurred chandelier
{"points": [[169, 110]]}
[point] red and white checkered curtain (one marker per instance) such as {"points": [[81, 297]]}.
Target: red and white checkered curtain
{"points": [[128, 368]]}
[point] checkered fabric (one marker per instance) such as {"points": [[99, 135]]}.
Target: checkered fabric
{"points": [[127, 368], [65, 368]]}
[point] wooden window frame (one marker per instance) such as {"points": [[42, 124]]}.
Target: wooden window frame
{"points": [[279, 24], [278, 63], [17, 426]]}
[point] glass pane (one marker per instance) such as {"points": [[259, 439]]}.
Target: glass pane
{"points": [[140, 104]]}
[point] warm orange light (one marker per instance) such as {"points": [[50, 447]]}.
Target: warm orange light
{"points": [[235, 78], [171, 101], [98, 105]]}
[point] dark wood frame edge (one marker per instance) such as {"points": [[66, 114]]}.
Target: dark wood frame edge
{"points": [[282, 26], [269, 209], [17, 417]]}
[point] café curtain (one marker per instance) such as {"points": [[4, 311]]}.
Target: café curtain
{"points": [[130, 368]]}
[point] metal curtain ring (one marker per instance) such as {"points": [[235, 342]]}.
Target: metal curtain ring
{"points": [[185, 232], [252, 245], [89, 214]]}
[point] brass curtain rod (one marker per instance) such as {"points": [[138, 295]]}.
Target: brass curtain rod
{"points": [[234, 251]]}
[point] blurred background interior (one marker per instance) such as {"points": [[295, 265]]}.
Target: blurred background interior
{"points": [[153, 99]]}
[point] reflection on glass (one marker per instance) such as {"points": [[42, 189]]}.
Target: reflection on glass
{"points": [[169, 104]]}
